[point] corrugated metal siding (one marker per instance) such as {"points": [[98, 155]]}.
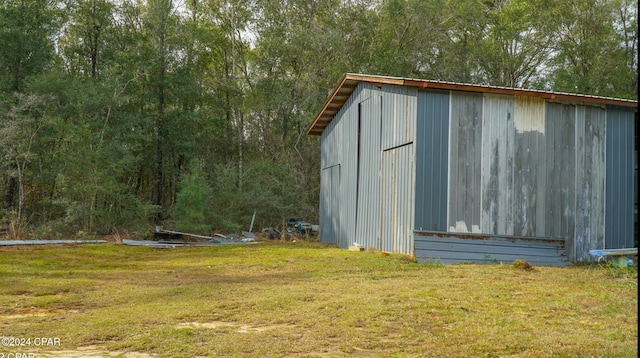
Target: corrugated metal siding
{"points": [[498, 141], [368, 216], [506, 166], [590, 172], [330, 204], [560, 171], [484, 249], [388, 112], [619, 205], [465, 148], [399, 115], [388, 115], [330, 153], [432, 150], [339, 148], [396, 175], [529, 166], [397, 200]]}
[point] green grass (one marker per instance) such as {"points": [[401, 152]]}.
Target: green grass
{"points": [[310, 300]]}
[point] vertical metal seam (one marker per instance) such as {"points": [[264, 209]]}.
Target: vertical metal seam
{"points": [[575, 181], [380, 197], [449, 158], [482, 141], [604, 196]]}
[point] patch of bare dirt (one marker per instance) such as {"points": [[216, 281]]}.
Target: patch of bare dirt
{"points": [[92, 352], [240, 328], [36, 313]]}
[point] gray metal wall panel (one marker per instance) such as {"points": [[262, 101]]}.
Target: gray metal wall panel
{"points": [[432, 150], [399, 114], [529, 166], [488, 249], [338, 148], [349, 167], [590, 173], [552, 154], [392, 105], [329, 144], [368, 215], [498, 141], [560, 171], [465, 144], [397, 161], [398, 200], [619, 205], [384, 113], [330, 204], [330, 157]]}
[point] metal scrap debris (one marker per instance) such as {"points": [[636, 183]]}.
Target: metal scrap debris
{"points": [[171, 239], [49, 242]]}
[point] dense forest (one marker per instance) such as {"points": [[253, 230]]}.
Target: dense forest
{"points": [[124, 114]]}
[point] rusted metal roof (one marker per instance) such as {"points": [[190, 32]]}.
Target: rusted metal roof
{"points": [[350, 81]]}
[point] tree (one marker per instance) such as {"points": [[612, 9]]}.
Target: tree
{"points": [[86, 36], [597, 50], [26, 29], [19, 132], [501, 43], [25, 32], [407, 34], [192, 212], [462, 28], [105, 128], [517, 42]]}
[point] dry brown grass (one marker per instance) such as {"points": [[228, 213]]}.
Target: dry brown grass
{"points": [[309, 300]]}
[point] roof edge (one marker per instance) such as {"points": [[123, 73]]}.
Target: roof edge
{"points": [[327, 103], [325, 115]]}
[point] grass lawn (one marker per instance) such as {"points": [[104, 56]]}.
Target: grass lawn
{"points": [[306, 300]]}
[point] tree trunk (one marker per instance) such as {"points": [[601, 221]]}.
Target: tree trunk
{"points": [[159, 172], [10, 196], [159, 175], [93, 42]]}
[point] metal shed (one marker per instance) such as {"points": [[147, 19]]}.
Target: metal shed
{"points": [[471, 173]]}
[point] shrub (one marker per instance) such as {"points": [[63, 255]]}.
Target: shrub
{"points": [[522, 265]]}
